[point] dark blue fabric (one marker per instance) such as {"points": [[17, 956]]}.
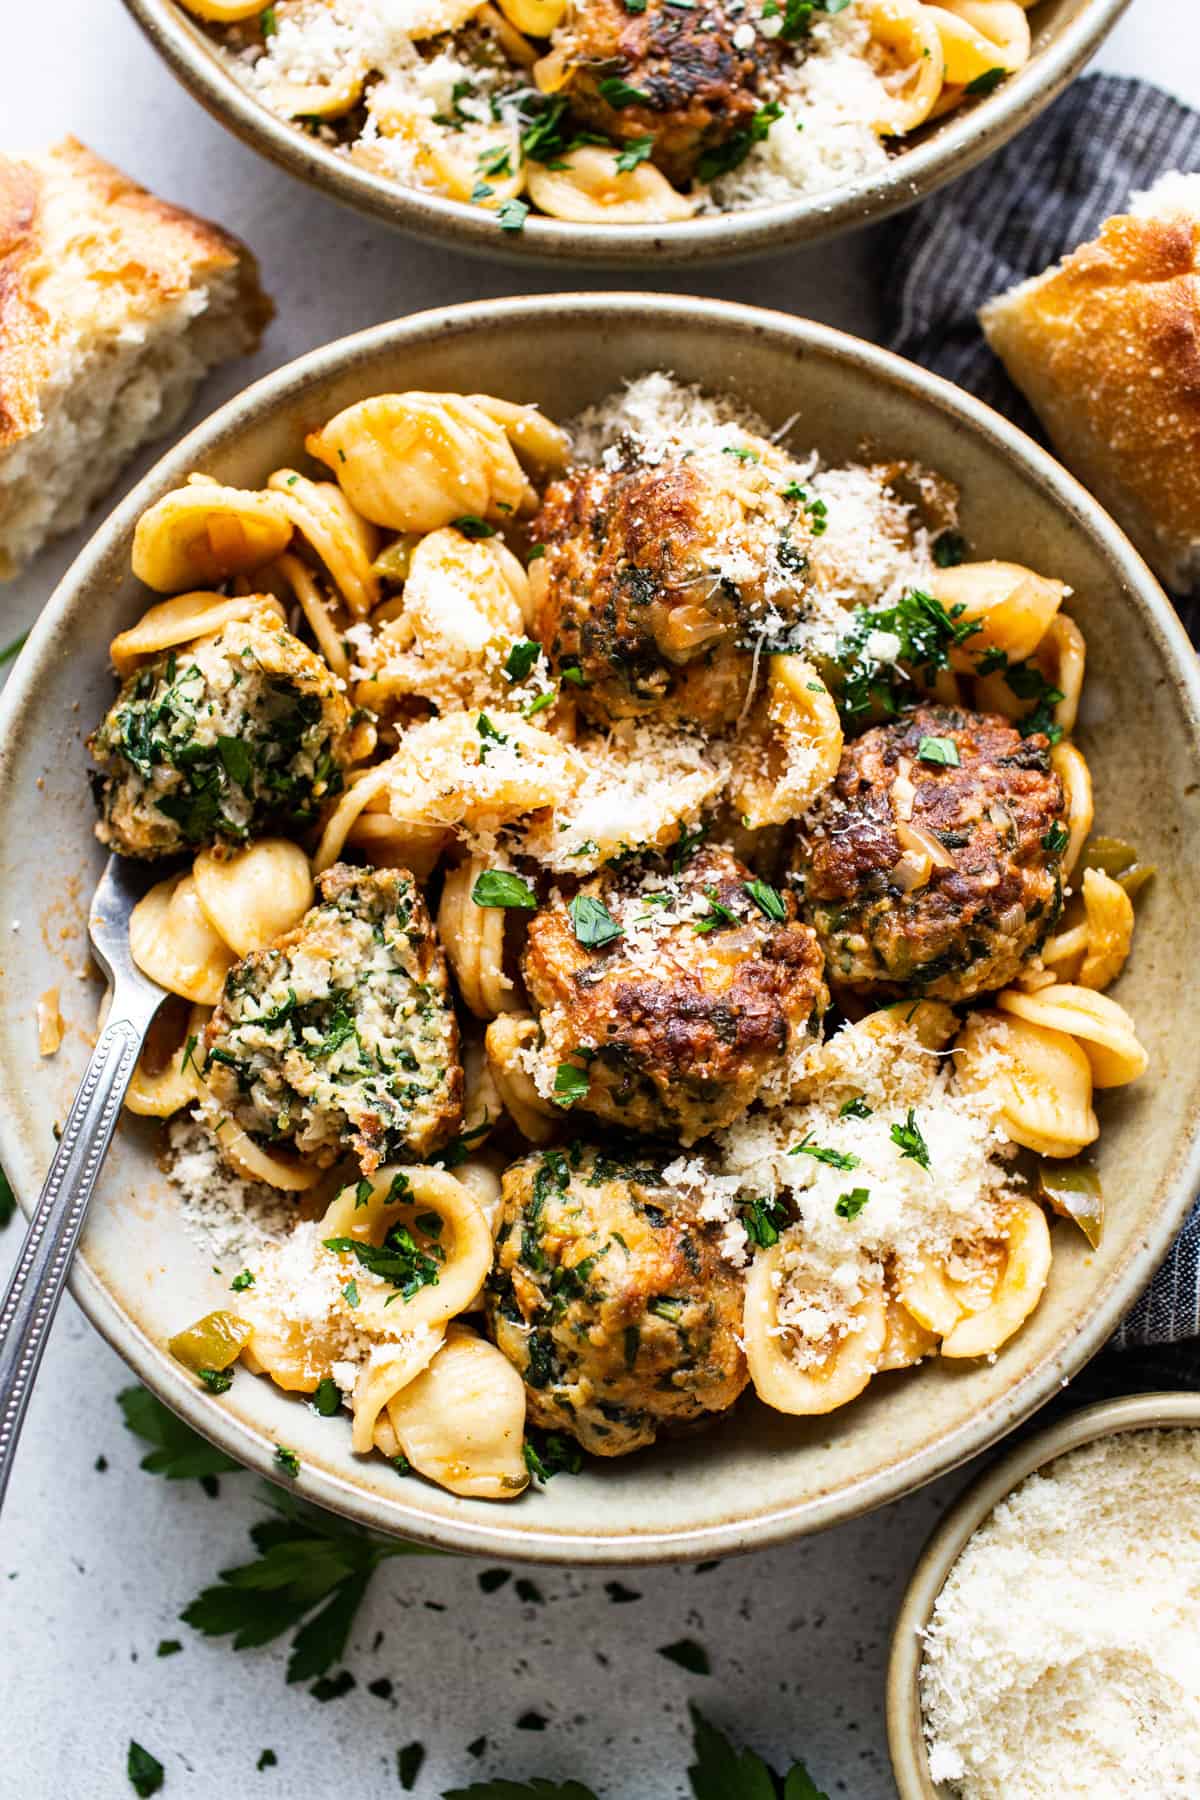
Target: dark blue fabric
{"points": [[1104, 139]]}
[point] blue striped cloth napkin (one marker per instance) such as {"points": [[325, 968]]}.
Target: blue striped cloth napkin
{"points": [[1049, 190]]}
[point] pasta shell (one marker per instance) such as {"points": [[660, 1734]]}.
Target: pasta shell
{"points": [[182, 620], [473, 939], [822, 1385], [1109, 914], [160, 1088], [462, 1422], [1104, 1029], [1037, 1075], [388, 1369], [287, 1173], [978, 36], [508, 1038], [223, 12], [416, 461], [345, 542], [406, 1195], [537, 18], [1016, 1293], [171, 941], [587, 187], [905, 1341], [790, 751], [906, 54], [1069, 765], [542, 446], [251, 896], [927, 1294], [203, 533], [1012, 605], [318, 614]]}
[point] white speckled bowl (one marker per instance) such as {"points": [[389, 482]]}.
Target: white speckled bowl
{"points": [[1065, 34], [758, 1477], [906, 1733]]}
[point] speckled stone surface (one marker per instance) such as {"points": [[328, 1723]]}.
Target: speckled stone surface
{"points": [[97, 1558]]}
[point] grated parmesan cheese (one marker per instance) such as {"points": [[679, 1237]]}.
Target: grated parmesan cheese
{"points": [[226, 1215], [1063, 1655]]}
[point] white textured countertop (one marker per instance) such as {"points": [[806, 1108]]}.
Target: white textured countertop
{"points": [[97, 1558]]}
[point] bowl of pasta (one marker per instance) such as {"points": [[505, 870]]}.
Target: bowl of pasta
{"points": [[646, 895], [618, 134]]}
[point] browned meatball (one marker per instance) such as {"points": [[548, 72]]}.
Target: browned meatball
{"points": [[658, 575], [693, 87], [699, 1002], [612, 1300], [891, 918]]}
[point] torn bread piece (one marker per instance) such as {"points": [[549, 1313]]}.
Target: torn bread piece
{"points": [[1106, 347], [113, 306]]}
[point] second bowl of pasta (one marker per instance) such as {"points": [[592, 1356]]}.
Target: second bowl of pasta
{"points": [[643, 812]]}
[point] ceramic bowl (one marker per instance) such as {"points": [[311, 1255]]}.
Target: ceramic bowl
{"points": [[1066, 34], [758, 1477], [906, 1735]]}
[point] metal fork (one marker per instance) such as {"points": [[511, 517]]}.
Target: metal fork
{"points": [[41, 1273]]}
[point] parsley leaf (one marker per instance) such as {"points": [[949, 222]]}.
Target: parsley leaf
{"points": [[521, 658], [849, 1205], [909, 1141], [718, 914], [619, 93], [764, 1219], [592, 922], [496, 887], [940, 751], [512, 215], [722, 1773], [399, 1260], [473, 527], [767, 899], [145, 1772], [986, 82], [570, 1084], [637, 150], [1056, 839], [854, 1109], [179, 1452], [307, 1560], [550, 1453], [835, 1159], [327, 1398], [242, 1281]]}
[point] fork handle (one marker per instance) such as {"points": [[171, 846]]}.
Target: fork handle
{"points": [[40, 1276]]}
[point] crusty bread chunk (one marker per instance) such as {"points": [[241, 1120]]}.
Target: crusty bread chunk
{"points": [[1106, 346], [113, 306]]}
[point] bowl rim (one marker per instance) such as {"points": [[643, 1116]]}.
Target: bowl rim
{"points": [[726, 237], [527, 1540], [1157, 1410]]}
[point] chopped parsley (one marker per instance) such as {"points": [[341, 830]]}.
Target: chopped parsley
{"points": [[570, 1084], [986, 82], [822, 1153], [940, 751], [635, 151], [521, 658], [399, 1260], [733, 152], [287, 1460], [926, 633], [512, 215], [550, 1453], [217, 1381], [408, 1765], [767, 899], [469, 524], [854, 1109], [267, 22], [849, 1205], [496, 887], [619, 93], [949, 548], [1056, 839], [909, 1141], [592, 923], [764, 1220], [718, 915], [327, 1397], [241, 1282], [178, 1453]]}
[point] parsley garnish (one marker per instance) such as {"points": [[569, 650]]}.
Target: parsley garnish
{"points": [[521, 658], [949, 548], [767, 899], [496, 887], [834, 1159], [909, 1141], [398, 1260], [738, 145], [241, 1282], [473, 527], [307, 1560], [718, 914], [1056, 839], [854, 1109], [13, 650], [217, 1381], [327, 1397], [764, 1219], [619, 93], [850, 1205], [287, 1460], [636, 150], [940, 751], [145, 1772], [926, 632], [593, 924], [985, 83], [550, 1453], [179, 1453], [570, 1084], [512, 215], [267, 22]]}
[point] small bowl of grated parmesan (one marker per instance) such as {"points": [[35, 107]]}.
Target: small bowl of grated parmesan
{"points": [[1049, 1640]]}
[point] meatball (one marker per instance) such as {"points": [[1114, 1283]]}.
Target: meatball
{"points": [[612, 1300], [669, 1001], [892, 918], [659, 576], [676, 74], [241, 733], [341, 1035]]}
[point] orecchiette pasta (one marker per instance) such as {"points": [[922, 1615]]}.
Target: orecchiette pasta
{"points": [[907, 55], [589, 186], [528, 798]]}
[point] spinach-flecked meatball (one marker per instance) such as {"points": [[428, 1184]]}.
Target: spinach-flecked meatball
{"points": [[659, 574], [612, 1299], [931, 864], [240, 733], [341, 1035], [670, 999], [680, 75]]}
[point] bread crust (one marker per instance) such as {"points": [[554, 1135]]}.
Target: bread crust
{"points": [[81, 245], [1106, 347]]}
